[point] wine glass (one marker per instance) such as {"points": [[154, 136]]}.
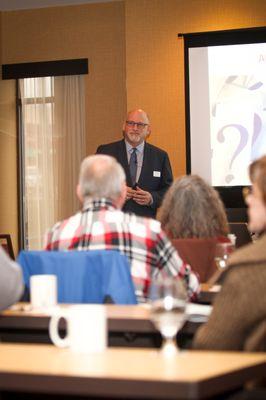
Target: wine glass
{"points": [[168, 299], [222, 253]]}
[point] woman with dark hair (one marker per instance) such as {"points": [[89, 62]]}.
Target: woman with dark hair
{"points": [[193, 217], [238, 319]]}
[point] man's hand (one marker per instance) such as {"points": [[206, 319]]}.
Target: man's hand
{"points": [[130, 193], [142, 197]]}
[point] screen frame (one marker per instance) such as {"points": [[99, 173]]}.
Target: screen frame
{"points": [[231, 195]]}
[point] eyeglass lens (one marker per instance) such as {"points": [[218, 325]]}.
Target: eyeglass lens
{"points": [[140, 125]]}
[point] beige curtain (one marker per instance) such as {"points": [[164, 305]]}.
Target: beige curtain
{"points": [[53, 126]]}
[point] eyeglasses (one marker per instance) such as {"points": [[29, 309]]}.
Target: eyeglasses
{"points": [[139, 125], [246, 191]]}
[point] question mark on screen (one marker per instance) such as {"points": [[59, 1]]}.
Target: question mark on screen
{"points": [[257, 125], [241, 145]]}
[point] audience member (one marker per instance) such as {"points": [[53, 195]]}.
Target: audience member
{"points": [[193, 209], [238, 319], [194, 218], [11, 281], [147, 168], [101, 225]]}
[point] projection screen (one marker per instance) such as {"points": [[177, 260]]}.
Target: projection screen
{"points": [[225, 104]]}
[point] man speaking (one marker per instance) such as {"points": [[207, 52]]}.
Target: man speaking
{"points": [[147, 168]]}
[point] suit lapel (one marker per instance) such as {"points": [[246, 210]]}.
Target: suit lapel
{"points": [[122, 158], [145, 170]]}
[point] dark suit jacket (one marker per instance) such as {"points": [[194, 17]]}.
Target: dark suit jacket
{"points": [[154, 159]]}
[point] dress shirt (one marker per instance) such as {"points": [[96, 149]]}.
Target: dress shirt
{"points": [[139, 154]]}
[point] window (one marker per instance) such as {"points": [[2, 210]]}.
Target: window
{"points": [[52, 145]]}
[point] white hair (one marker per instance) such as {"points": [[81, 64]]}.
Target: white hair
{"points": [[101, 176]]}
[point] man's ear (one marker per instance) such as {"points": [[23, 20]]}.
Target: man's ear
{"points": [[79, 195]]}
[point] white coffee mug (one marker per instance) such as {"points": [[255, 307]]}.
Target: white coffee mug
{"points": [[43, 291], [86, 328]]}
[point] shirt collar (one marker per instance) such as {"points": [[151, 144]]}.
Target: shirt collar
{"points": [[98, 204], [140, 147]]}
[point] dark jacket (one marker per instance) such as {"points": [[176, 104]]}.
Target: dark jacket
{"points": [[154, 160], [238, 319]]}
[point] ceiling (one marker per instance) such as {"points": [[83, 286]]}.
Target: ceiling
{"points": [[8, 5]]}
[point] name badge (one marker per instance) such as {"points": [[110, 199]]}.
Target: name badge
{"points": [[156, 174]]}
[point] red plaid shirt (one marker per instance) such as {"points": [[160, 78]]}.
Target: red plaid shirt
{"points": [[101, 226]]}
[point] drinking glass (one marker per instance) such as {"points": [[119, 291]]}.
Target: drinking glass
{"points": [[222, 253], [168, 299]]}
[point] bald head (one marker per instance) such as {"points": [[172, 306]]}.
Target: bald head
{"points": [[138, 113], [136, 128], [101, 176]]}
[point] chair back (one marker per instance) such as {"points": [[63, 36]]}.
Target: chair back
{"points": [[6, 243], [199, 254], [83, 276], [240, 230]]}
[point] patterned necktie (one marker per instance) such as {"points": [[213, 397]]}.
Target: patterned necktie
{"points": [[133, 163]]}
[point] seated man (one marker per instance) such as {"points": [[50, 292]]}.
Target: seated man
{"points": [[101, 225], [11, 282]]}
